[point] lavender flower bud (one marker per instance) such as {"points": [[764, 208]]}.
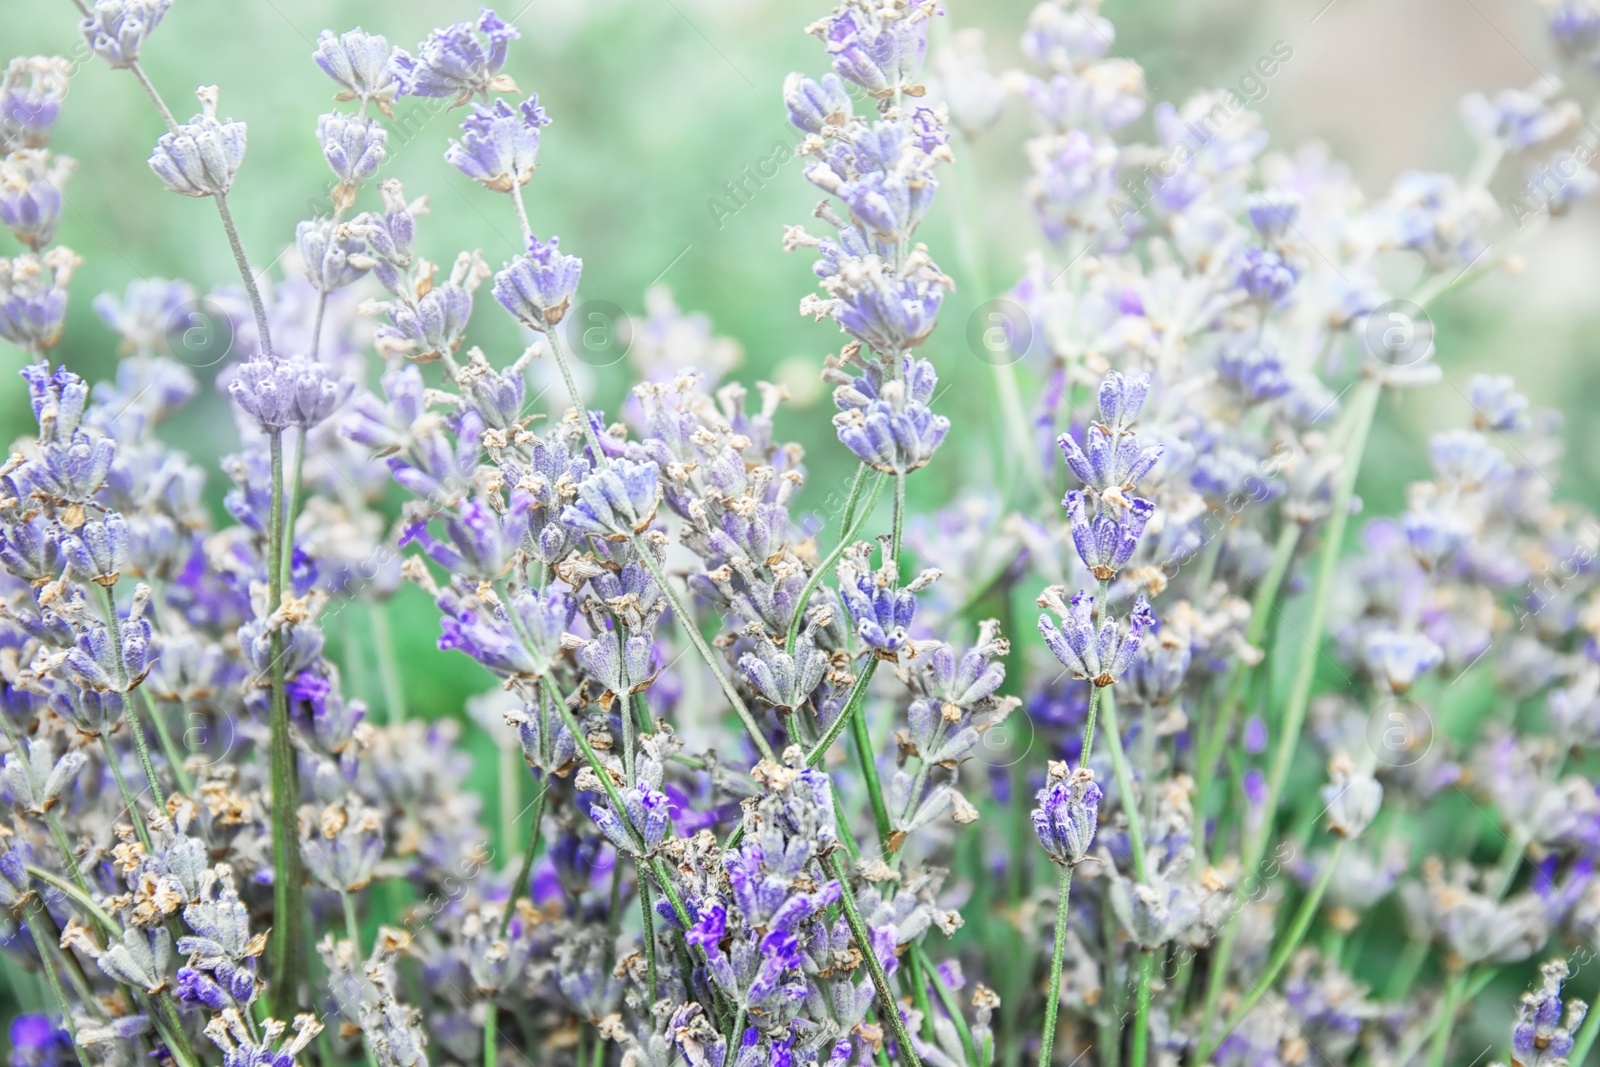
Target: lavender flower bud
{"points": [[37, 780], [333, 253], [1541, 1037], [140, 959], [150, 310], [456, 62], [201, 156], [648, 820], [888, 423], [358, 61], [881, 609], [499, 145], [1265, 276], [31, 549], [1121, 398], [1106, 542], [1352, 798], [1396, 660], [434, 326], [879, 48], [116, 29], [1068, 813], [813, 106], [537, 287], [1099, 655], [92, 711], [354, 147], [30, 194], [1273, 212], [1496, 404], [33, 297], [616, 501], [342, 844], [1112, 460], [279, 393], [31, 91], [784, 680], [98, 550]]}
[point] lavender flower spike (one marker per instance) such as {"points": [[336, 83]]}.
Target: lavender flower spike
{"points": [[1541, 1037], [279, 393], [616, 501], [499, 145], [358, 61], [1068, 812], [116, 29], [537, 288], [1097, 654], [1106, 542], [457, 62], [201, 156]]}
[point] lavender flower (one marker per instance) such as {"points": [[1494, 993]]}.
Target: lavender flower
{"points": [[456, 62], [537, 287], [354, 147], [358, 61], [201, 156], [30, 194], [1092, 647], [499, 145], [116, 29], [1107, 542], [1068, 814], [33, 297], [279, 393], [31, 91], [1542, 1036]]}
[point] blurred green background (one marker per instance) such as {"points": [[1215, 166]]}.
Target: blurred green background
{"points": [[657, 104]]}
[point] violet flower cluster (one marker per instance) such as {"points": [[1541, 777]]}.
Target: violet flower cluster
{"points": [[739, 753]]}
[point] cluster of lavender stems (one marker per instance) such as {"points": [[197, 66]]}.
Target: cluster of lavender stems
{"points": [[757, 743]]}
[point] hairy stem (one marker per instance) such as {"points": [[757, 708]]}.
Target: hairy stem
{"points": [[521, 883], [285, 947], [847, 534], [880, 981], [1052, 996]]}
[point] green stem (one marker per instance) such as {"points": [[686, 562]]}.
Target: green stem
{"points": [[169, 748], [129, 715], [528, 855], [1052, 996], [846, 536], [394, 694], [899, 515], [285, 947], [736, 1031], [1141, 1017], [245, 275], [80, 898], [648, 920], [47, 956], [1447, 1021], [880, 981], [508, 769], [1286, 948], [919, 993], [1406, 968], [847, 517], [64, 843], [1221, 727], [129, 801], [952, 1007], [352, 930], [292, 514], [1124, 776], [866, 757], [1363, 407]]}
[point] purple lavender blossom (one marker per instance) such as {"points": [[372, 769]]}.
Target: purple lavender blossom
{"points": [[456, 62], [1092, 648], [31, 91], [358, 61], [537, 287], [499, 145], [279, 393], [1068, 814], [1106, 542], [201, 156], [116, 29]]}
